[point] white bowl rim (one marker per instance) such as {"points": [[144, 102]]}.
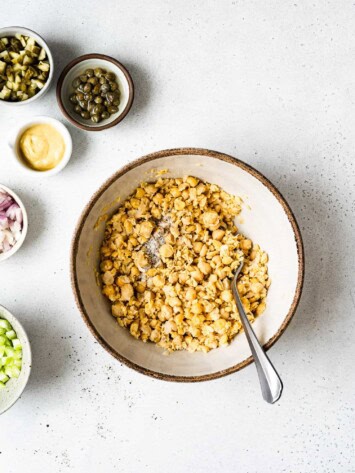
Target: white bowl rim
{"points": [[22, 30], [60, 127], [23, 337], [176, 152], [17, 246]]}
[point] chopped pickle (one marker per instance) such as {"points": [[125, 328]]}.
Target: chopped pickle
{"points": [[24, 68]]}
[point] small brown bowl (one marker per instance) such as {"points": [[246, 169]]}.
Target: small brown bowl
{"points": [[77, 67]]}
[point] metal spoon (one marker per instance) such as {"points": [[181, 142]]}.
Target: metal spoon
{"points": [[270, 382]]}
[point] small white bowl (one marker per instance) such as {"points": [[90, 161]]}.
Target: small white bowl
{"points": [[15, 387], [20, 129], [77, 67], [17, 246], [11, 31]]}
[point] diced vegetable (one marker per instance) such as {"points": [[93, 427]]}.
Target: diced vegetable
{"points": [[10, 230], [10, 353], [24, 68]]}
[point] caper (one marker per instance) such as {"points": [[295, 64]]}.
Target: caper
{"points": [[85, 115], [99, 108], [113, 86], [96, 89], [89, 72], [110, 76], [91, 105], [83, 104], [77, 109], [104, 88], [87, 88], [95, 118], [103, 80], [81, 87], [80, 96], [88, 97], [98, 72], [93, 80], [111, 109], [73, 98], [76, 82], [98, 99], [110, 97], [116, 102], [83, 78], [106, 103], [105, 115]]}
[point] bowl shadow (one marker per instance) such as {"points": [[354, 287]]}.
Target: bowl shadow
{"points": [[142, 90], [48, 351], [63, 54], [36, 218], [322, 266]]}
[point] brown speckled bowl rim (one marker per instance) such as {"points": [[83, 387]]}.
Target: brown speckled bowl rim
{"points": [[181, 152], [76, 61]]}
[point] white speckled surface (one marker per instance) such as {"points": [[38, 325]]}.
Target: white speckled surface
{"points": [[269, 82]]}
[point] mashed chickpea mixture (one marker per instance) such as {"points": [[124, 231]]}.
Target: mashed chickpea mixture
{"points": [[167, 262]]}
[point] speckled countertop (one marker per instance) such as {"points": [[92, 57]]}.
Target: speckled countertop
{"points": [[270, 82]]}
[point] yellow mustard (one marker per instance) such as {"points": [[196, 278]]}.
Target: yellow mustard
{"points": [[42, 147]]}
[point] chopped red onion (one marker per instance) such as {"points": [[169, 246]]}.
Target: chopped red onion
{"points": [[10, 222]]}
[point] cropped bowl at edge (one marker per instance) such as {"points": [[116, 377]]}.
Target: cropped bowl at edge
{"points": [[15, 387]]}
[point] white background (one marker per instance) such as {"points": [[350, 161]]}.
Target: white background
{"points": [[271, 82]]}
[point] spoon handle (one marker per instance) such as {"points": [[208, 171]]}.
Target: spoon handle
{"points": [[270, 382]]}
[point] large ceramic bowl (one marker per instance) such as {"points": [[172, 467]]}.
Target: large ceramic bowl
{"points": [[268, 220], [15, 387]]}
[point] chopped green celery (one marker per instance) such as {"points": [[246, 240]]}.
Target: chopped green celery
{"points": [[18, 354], [16, 343], [5, 324], [11, 334], [6, 360], [12, 371], [10, 353], [3, 377]]}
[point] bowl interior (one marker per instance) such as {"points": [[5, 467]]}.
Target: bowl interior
{"points": [[264, 220], [67, 89], [15, 145], [15, 387], [11, 31]]}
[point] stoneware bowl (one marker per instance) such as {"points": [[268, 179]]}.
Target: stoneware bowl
{"points": [[15, 387], [21, 127], [11, 31], [77, 67], [268, 220], [17, 246]]}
